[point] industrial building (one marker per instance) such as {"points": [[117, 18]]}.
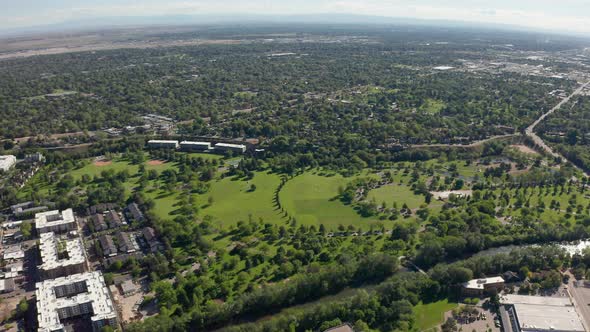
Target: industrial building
{"points": [[7, 162], [74, 296], [55, 221], [523, 313], [238, 148], [195, 146], [478, 287], [162, 144], [61, 257]]}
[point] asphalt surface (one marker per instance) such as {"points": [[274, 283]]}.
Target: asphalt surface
{"points": [[530, 131], [580, 301]]}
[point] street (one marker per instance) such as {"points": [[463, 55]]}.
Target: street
{"points": [[581, 298]]}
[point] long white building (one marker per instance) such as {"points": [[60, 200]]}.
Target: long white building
{"points": [[162, 144], [239, 148], [55, 221], [195, 146], [73, 296], [61, 257], [7, 162]]}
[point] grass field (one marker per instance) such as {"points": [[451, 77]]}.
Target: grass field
{"points": [[396, 193], [311, 199], [431, 314], [233, 201]]}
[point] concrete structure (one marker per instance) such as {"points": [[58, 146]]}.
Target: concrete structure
{"points": [[162, 144], [238, 148], [522, 313], [341, 328], [13, 253], [55, 221], [7, 162], [195, 146], [7, 285], [61, 257], [477, 287], [108, 246], [128, 288], [36, 157], [84, 294]]}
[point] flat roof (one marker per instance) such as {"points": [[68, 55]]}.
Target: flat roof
{"points": [[162, 141], [195, 143], [49, 252], [479, 283], [544, 313], [48, 303], [52, 218], [229, 145]]}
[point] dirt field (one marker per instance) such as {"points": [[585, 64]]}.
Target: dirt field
{"points": [[155, 162], [524, 149], [101, 163]]}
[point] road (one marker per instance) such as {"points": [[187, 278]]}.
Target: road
{"points": [[530, 131], [580, 300]]}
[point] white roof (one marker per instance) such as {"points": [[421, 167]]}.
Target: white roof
{"points": [[14, 252], [157, 141], [195, 143], [544, 313], [52, 218], [229, 145], [479, 283], [48, 248], [97, 294]]}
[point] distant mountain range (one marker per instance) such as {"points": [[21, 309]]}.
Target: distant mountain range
{"points": [[187, 20]]}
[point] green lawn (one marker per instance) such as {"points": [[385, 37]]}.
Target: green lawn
{"points": [[311, 199], [396, 193], [233, 201], [431, 314], [432, 106]]}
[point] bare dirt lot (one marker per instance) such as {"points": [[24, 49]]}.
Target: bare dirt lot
{"points": [[155, 162], [524, 149], [101, 163]]}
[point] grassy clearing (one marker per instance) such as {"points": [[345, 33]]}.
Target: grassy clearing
{"points": [[431, 314], [391, 194], [233, 201], [432, 106], [311, 199]]}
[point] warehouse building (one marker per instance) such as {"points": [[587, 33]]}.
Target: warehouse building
{"points": [[75, 296], [523, 313], [55, 221], [238, 148], [60, 257], [7, 162], [195, 146], [162, 144]]}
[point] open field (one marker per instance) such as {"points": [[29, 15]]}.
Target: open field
{"points": [[311, 199], [394, 193], [431, 314]]}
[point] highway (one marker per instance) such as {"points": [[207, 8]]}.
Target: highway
{"points": [[530, 131]]}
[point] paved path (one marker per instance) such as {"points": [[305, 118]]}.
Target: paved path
{"points": [[530, 131]]}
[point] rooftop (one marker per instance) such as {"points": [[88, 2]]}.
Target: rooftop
{"points": [[50, 251], [543, 313], [480, 283], [96, 293], [51, 218]]}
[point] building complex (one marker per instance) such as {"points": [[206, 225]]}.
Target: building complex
{"points": [[83, 294], [55, 221], [7, 162], [61, 257]]}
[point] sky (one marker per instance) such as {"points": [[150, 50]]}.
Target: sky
{"points": [[555, 15]]}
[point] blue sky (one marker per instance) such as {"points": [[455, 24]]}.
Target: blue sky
{"points": [[558, 15]]}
